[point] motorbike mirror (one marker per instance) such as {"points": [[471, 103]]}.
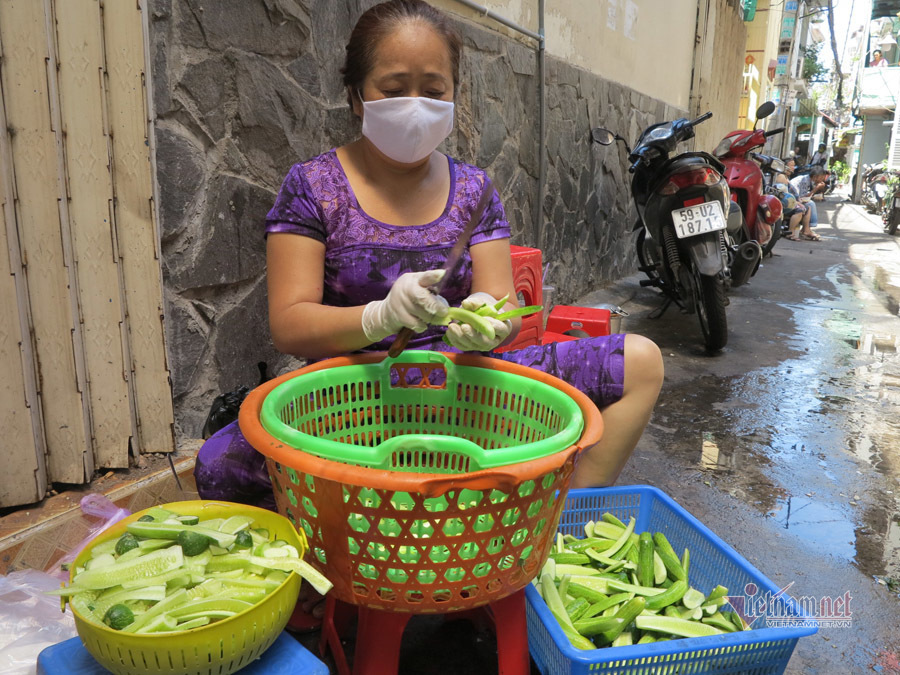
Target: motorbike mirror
{"points": [[765, 110], [602, 136]]}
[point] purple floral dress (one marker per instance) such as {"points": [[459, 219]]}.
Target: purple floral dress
{"points": [[363, 258]]}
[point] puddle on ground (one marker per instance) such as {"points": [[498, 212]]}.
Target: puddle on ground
{"points": [[797, 441], [878, 541], [803, 414], [818, 524]]}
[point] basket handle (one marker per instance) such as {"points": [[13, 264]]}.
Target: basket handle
{"points": [[488, 479], [424, 358], [430, 443]]}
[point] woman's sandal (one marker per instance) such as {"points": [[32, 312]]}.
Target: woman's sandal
{"points": [[791, 237], [810, 237]]}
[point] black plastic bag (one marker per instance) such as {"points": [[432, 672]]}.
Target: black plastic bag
{"points": [[225, 407]]}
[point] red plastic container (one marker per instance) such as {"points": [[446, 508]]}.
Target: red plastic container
{"points": [[591, 320], [526, 265]]}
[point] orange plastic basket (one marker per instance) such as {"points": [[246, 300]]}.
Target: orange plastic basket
{"points": [[422, 542]]}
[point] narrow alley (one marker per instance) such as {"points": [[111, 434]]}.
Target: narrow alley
{"points": [[787, 444]]}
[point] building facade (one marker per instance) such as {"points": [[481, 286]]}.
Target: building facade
{"points": [[877, 91], [777, 37]]}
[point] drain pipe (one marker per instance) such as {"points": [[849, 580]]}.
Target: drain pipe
{"points": [[542, 121], [542, 132]]}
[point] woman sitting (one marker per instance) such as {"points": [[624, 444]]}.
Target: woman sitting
{"points": [[359, 233]]}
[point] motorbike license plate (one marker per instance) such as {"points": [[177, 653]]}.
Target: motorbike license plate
{"points": [[698, 219], [897, 202]]}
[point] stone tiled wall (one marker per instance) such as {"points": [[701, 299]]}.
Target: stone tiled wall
{"points": [[243, 89]]}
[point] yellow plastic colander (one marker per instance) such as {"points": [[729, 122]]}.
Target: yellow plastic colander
{"points": [[221, 647]]}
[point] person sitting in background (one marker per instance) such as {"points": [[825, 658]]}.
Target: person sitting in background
{"points": [[796, 212], [878, 61], [810, 189], [820, 157]]}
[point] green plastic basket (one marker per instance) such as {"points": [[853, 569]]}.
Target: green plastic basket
{"points": [[421, 413]]}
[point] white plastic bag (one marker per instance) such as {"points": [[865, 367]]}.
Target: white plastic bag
{"points": [[29, 620], [93, 505]]}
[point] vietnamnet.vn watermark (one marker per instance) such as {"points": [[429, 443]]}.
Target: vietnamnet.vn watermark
{"points": [[765, 609]]}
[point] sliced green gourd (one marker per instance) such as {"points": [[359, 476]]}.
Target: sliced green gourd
{"points": [[104, 602], [157, 514], [479, 323], [693, 598], [100, 561], [519, 311], [235, 524], [172, 601], [171, 530], [672, 626], [719, 621], [144, 567], [162, 623], [147, 545], [193, 623], [163, 578], [210, 604], [212, 523], [103, 547]]}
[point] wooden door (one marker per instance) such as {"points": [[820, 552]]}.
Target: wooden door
{"points": [[81, 341]]}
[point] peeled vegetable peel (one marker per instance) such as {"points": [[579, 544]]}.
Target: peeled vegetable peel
{"points": [[477, 318]]}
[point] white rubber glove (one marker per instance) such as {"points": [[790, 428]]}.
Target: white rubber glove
{"points": [[467, 339], [409, 304]]}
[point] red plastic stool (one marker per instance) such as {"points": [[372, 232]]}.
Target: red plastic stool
{"points": [[526, 266], [591, 320], [379, 635], [531, 333]]}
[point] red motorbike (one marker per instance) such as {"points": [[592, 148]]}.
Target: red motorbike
{"points": [[744, 173]]}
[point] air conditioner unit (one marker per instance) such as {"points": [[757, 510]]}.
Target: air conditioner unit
{"points": [[894, 151]]}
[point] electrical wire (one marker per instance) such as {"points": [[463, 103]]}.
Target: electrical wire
{"points": [[847, 34]]}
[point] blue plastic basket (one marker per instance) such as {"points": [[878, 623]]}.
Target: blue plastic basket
{"points": [[759, 651]]}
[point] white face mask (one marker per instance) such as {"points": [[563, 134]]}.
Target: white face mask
{"points": [[407, 128]]}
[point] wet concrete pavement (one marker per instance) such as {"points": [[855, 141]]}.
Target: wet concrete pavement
{"points": [[787, 444]]}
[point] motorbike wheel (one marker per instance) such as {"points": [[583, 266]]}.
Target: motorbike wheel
{"points": [[894, 222], [645, 256], [711, 311]]}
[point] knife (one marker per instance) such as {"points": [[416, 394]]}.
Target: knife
{"points": [[453, 260]]}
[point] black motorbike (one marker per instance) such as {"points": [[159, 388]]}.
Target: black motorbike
{"points": [[874, 187], [686, 224]]}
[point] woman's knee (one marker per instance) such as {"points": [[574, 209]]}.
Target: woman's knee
{"points": [[643, 364]]}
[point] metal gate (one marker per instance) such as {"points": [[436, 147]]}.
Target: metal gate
{"points": [[82, 348]]}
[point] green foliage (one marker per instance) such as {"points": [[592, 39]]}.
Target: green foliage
{"points": [[841, 171], [813, 71], [893, 185]]}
